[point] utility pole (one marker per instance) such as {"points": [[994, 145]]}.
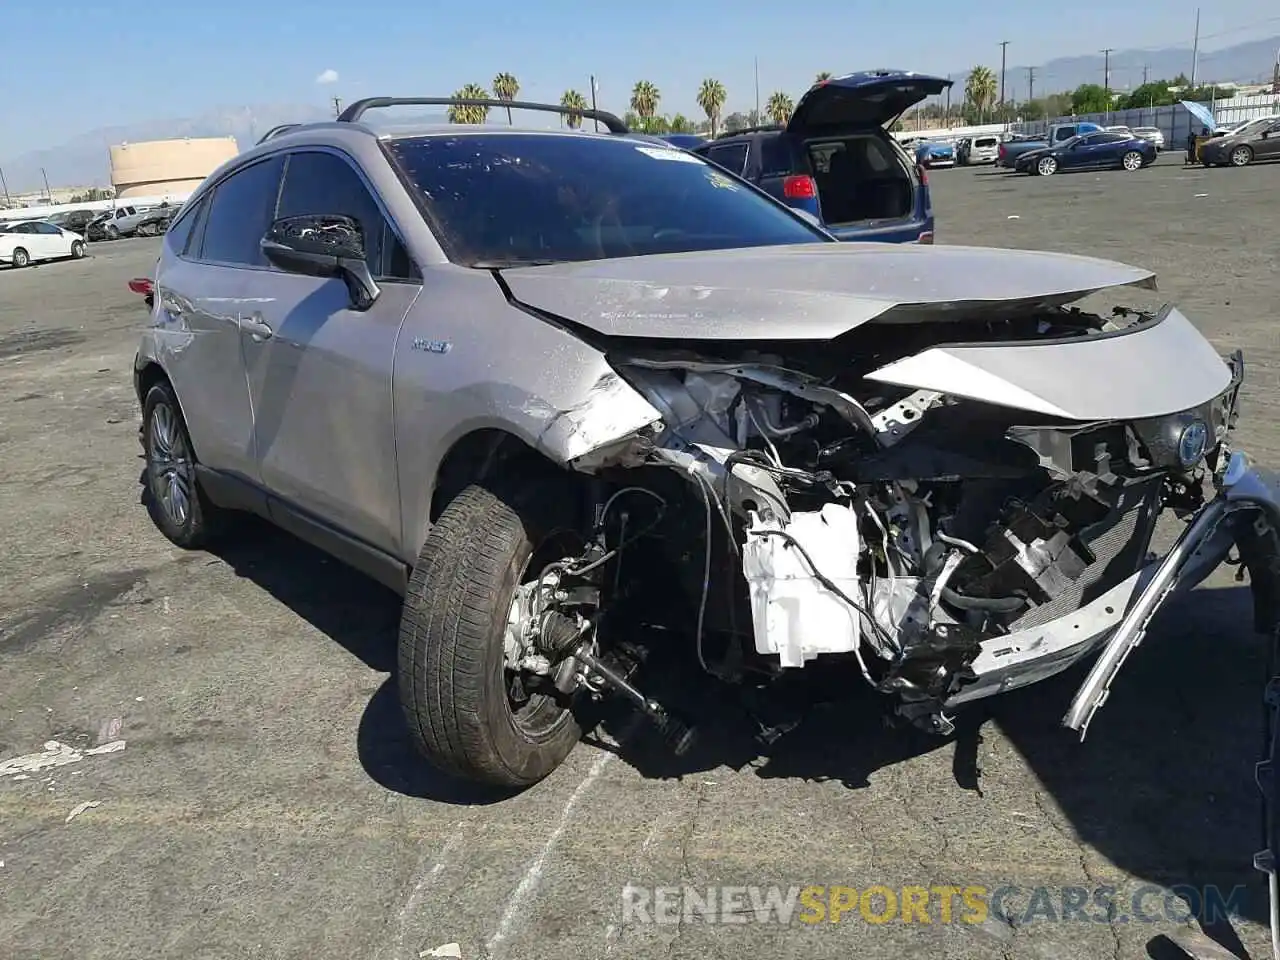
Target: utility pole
{"points": [[1003, 45], [1145, 70], [949, 91], [1106, 69], [1275, 76], [337, 106], [1031, 83], [593, 99], [47, 192], [4, 184], [757, 67], [1195, 50]]}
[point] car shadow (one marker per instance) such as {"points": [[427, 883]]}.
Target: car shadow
{"points": [[1163, 787]]}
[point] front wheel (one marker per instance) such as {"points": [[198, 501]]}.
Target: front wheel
{"points": [[1241, 157], [1047, 166], [1131, 161], [466, 706], [113, 233], [77, 249]]}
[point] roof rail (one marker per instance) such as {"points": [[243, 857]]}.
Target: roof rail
{"points": [[276, 131], [356, 110], [767, 128]]}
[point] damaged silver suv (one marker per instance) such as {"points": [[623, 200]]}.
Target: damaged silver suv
{"points": [[581, 395]]}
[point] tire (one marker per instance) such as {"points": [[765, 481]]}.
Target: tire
{"points": [[20, 258], [1046, 166], [1131, 161], [77, 250], [1241, 156], [170, 473], [452, 669]]}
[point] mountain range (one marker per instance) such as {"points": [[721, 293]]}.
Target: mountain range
{"points": [[82, 161]]}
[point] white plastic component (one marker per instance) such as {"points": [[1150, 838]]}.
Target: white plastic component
{"points": [[794, 615]]}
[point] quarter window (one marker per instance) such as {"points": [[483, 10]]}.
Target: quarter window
{"points": [[179, 232]]}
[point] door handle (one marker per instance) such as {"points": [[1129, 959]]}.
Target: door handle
{"points": [[256, 327]]}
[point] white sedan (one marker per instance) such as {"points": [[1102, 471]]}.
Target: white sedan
{"points": [[25, 241]]}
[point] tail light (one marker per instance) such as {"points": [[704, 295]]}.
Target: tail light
{"points": [[799, 188], [141, 285], [924, 175], [926, 237]]}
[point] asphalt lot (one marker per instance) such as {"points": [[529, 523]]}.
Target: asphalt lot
{"points": [[265, 802]]}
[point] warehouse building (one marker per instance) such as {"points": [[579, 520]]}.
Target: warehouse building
{"points": [[167, 167]]}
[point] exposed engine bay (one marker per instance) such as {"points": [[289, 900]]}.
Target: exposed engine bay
{"points": [[954, 548]]}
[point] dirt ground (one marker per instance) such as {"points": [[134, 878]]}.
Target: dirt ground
{"points": [[256, 796]]}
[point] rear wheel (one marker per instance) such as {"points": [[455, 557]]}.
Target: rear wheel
{"points": [[20, 257], [1131, 161], [1241, 156], [1047, 166], [466, 707], [172, 494]]}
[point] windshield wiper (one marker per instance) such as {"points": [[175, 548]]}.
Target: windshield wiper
{"points": [[517, 262]]}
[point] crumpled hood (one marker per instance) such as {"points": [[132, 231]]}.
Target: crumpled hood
{"points": [[807, 291]]}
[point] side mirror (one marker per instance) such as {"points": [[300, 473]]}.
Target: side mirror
{"points": [[323, 246]]}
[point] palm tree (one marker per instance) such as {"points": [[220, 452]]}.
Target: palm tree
{"points": [[779, 107], [711, 97], [644, 101], [506, 87], [573, 100], [466, 114], [980, 89], [822, 76]]}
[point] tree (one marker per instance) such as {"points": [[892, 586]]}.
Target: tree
{"points": [[711, 97], [680, 124], [573, 100], [822, 77], [632, 120], [644, 101], [980, 90], [506, 87], [1090, 98], [779, 107], [467, 114]]}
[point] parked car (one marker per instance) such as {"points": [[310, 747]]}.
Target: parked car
{"points": [[1259, 140], [1119, 128], [835, 161], [1008, 152], [647, 407], [28, 241], [1154, 134], [96, 229], [73, 220], [935, 153], [145, 221], [1091, 151], [982, 149]]}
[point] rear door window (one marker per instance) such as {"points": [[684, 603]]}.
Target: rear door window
{"points": [[240, 213], [731, 156], [775, 157]]}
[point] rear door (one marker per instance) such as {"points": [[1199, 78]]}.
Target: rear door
{"points": [[1267, 145], [208, 278], [320, 372]]}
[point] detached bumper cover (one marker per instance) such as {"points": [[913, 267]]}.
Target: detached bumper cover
{"points": [[1246, 513]]}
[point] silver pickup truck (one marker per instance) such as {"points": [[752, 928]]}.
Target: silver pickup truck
{"points": [[142, 221]]}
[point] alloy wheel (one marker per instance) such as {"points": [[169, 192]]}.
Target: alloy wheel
{"points": [[169, 465], [1047, 166], [1241, 156], [1132, 161]]}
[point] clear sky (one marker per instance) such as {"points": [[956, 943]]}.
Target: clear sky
{"points": [[74, 65]]}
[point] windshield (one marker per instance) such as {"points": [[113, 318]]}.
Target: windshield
{"points": [[506, 199], [1252, 127]]}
